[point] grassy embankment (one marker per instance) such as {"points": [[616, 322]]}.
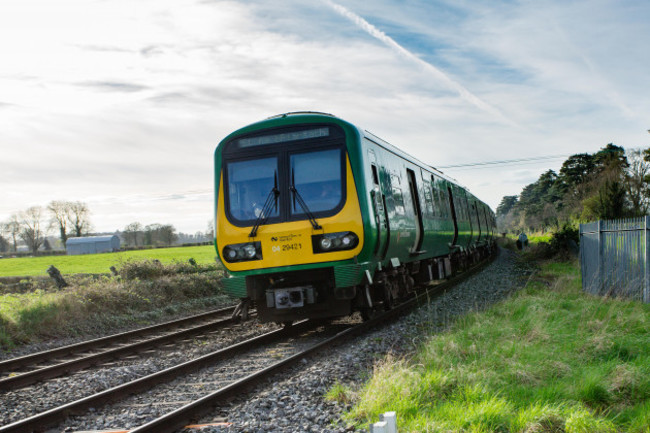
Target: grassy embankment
{"points": [[549, 359], [143, 292]]}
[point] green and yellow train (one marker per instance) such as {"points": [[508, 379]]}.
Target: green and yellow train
{"points": [[318, 218]]}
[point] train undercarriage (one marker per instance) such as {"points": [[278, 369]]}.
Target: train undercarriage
{"points": [[285, 297]]}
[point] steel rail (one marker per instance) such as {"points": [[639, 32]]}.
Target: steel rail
{"points": [[21, 380], [9, 364], [187, 414], [41, 421], [191, 412]]}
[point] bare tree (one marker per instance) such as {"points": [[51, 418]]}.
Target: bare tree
{"points": [[152, 234], [79, 217], [4, 245], [210, 230], [132, 232], [31, 228], [636, 182], [12, 229], [60, 216], [168, 234]]}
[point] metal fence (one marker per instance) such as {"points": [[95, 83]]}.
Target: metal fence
{"points": [[615, 258]]}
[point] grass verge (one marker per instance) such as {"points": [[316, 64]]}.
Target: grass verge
{"points": [[143, 292], [549, 359], [101, 263]]}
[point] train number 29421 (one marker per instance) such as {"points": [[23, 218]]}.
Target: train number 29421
{"points": [[286, 247]]}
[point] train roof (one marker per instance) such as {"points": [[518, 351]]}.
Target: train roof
{"points": [[362, 132]]}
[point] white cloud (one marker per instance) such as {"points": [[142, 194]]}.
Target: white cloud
{"points": [[112, 102]]}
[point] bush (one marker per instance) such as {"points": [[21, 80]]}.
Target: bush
{"points": [[143, 291], [151, 269], [566, 240]]}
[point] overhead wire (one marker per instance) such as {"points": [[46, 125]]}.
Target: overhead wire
{"points": [[529, 160]]}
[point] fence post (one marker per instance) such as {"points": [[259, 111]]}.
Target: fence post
{"points": [[646, 265], [582, 257], [601, 258]]}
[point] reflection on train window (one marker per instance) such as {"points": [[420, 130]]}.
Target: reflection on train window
{"points": [[249, 185], [428, 201], [399, 201], [317, 178]]}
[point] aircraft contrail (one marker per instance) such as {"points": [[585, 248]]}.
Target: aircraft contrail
{"points": [[390, 42]]}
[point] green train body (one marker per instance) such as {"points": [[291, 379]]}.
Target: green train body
{"points": [[388, 220]]}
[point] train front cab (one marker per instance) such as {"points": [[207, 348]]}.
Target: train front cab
{"points": [[289, 225]]}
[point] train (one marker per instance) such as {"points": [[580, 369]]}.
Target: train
{"points": [[318, 218]]}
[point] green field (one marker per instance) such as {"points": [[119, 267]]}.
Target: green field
{"points": [[101, 263]]}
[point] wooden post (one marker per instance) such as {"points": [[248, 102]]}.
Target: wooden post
{"points": [[55, 274]]}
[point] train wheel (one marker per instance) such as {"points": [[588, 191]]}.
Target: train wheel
{"points": [[368, 308], [389, 297]]}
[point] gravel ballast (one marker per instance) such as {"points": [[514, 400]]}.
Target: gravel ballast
{"points": [[294, 401]]}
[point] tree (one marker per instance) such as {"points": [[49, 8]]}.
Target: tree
{"points": [[577, 169], [132, 232], [167, 234], [210, 230], [31, 228], [609, 203], [611, 157], [12, 228], [79, 217], [60, 216], [506, 205], [151, 234], [637, 187]]}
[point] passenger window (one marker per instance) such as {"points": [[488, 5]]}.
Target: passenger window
{"points": [[375, 175]]}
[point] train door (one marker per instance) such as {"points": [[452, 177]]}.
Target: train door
{"points": [[417, 210], [454, 215], [379, 207], [478, 223]]}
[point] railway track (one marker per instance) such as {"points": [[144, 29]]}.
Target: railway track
{"points": [[214, 374], [29, 369]]}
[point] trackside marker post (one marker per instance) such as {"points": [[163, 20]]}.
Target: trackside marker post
{"points": [[391, 422], [388, 423]]}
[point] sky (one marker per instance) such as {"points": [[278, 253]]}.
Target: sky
{"points": [[120, 104]]}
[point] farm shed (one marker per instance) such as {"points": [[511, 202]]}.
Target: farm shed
{"points": [[92, 245]]}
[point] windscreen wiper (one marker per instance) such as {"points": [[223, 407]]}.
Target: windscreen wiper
{"points": [[303, 205], [271, 199]]}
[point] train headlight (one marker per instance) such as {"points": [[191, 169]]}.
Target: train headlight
{"points": [[242, 252], [334, 242], [325, 244], [250, 251], [230, 254]]}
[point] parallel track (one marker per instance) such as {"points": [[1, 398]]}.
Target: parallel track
{"points": [[177, 419], [29, 369]]}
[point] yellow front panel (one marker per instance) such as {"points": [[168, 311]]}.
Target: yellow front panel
{"points": [[289, 243]]}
